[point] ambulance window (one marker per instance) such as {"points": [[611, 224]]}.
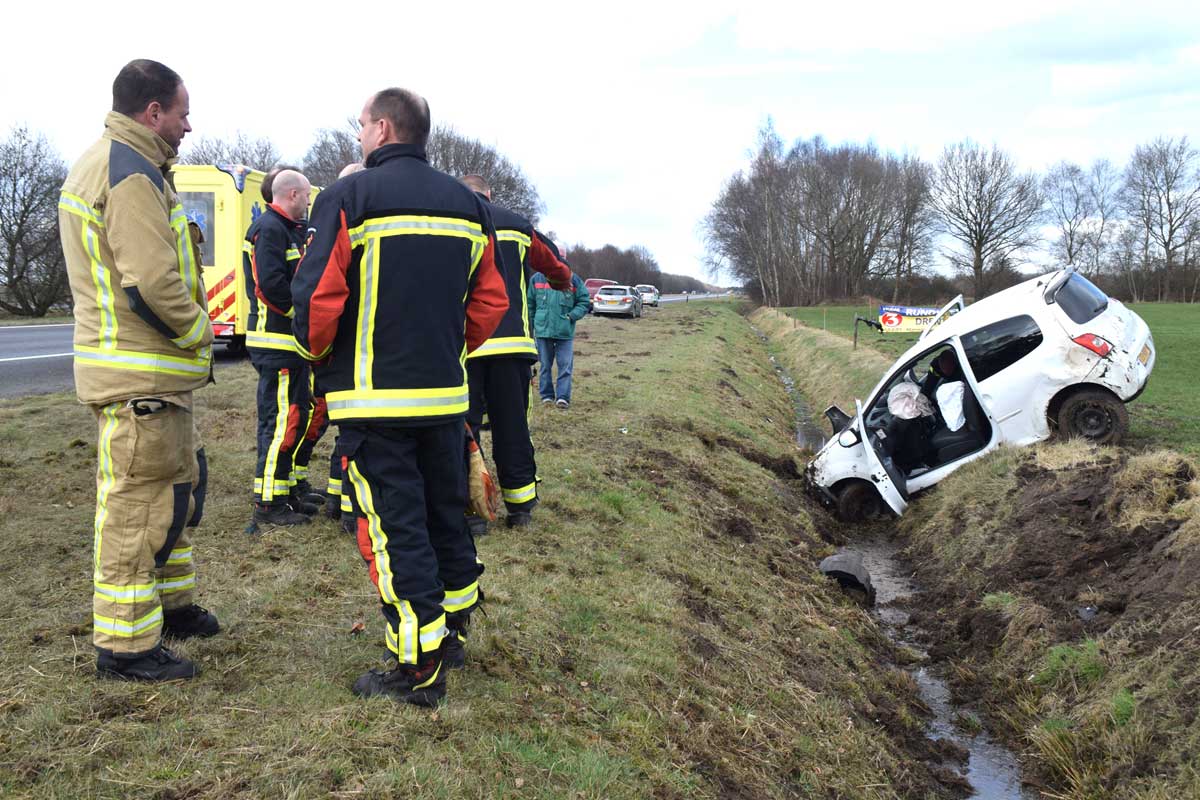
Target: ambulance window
{"points": [[200, 208]]}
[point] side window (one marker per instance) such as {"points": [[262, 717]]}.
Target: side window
{"points": [[1000, 345], [199, 206]]}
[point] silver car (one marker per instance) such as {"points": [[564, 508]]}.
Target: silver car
{"points": [[616, 299], [649, 294]]}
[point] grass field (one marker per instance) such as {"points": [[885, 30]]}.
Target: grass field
{"points": [[49, 319], [1166, 415], [660, 631]]}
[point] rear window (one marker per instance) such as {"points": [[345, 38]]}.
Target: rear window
{"points": [[610, 290], [199, 209], [647, 289], [1081, 299], [1000, 345]]}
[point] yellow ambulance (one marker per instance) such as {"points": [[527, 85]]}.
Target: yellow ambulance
{"points": [[223, 200]]}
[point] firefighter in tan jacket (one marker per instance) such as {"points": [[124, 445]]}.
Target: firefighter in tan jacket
{"points": [[143, 343]]}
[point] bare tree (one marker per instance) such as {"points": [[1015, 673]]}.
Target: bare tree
{"points": [[987, 206], [1162, 194], [1104, 192], [1071, 207], [258, 154], [33, 275], [332, 150], [911, 240], [458, 155]]}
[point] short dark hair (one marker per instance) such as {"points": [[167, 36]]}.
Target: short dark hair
{"points": [[141, 82], [268, 185], [407, 111]]}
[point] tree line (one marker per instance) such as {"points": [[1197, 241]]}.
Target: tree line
{"points": [[816, 222], [33, 278], [630, 266]]}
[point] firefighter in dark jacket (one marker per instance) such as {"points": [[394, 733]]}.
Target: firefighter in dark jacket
{"points": [[274, 245], [398, 284], [499, 371]]}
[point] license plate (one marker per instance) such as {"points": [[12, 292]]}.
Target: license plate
{"points": [[1144, 356]]}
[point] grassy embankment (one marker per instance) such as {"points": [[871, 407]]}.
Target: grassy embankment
{"points": [[49, 319], [660, 631], [1166, 415], [1064, 590]]}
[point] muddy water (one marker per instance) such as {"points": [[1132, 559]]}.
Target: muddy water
{"points": [[991, 769], [809, 435]]}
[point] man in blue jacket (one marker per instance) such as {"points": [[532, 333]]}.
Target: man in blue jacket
{"points": [[554, 315]]}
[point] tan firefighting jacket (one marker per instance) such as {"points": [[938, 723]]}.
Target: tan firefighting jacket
{"points": [[141, 315]]}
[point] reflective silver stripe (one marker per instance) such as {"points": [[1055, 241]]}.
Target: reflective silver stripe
{"points": [[451, 605], [270, 341], [375, 228], [104, 293], [124, 594], [432, 637], [183, 556], [194, 334], [520, 495], [79, 208], [396, 402], [144, 362], [177, 584], [513, 345], [187, 270], [293, 253], [513, 236], [366, 314], [116, 627]]}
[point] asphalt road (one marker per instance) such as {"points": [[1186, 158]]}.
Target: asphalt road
{"points": [[36, 359]]}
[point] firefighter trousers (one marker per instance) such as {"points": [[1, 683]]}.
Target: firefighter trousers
{"points": [[283, 408], [318, 423], [499, 386], [410, 491], [338, 486], [150, 482]]}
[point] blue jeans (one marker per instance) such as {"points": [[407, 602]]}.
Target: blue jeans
{"points": [[549, 351]]}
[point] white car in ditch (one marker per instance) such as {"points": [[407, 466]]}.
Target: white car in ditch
{"points": [[1051, 354]]}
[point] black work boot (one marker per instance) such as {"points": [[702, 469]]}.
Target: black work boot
{"points": [[333, 506], [477, 525], [519, 519], [159, 664], [307, 494], [277, 514], [406, 683], [454, 653], [189, 621], [298, 504]]}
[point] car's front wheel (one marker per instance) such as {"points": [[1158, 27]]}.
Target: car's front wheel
{"points": [[1095, 415], [858, 501]]}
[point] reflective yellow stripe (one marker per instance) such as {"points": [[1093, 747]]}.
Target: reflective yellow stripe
{"points": [[460, 599], [146, 362], [508, 235], [368, 299], [177, 584], [525, 329], [262, 340], [506, 345], [301, 472], [247, 247], [107, 479], [413, 224], [347, 506], [270, 487], [74, 204], [334, 487], [102, 279], [183, 248], [393, 403], [277, 487], [180, 556], [127, 630], [194, 334], [292, 254], [521, 495], [113, 593]]}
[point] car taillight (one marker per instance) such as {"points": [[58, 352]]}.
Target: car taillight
{"points": [[1096, 344]]}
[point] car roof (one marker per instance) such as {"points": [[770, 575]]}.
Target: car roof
{"points": [[1024, 298]]}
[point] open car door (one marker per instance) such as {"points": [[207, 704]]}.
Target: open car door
{"points": [[887, 479], [949, 310]]}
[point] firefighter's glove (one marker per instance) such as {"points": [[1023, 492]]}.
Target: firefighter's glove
{"points": [[484, 500]]}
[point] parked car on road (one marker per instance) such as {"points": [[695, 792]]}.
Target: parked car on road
{"points": [[616, 299], [1051, 354], [593, 285], [649, 294]]}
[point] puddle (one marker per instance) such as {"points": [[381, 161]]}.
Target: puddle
{"points": [[809, 434], [992, 770]]}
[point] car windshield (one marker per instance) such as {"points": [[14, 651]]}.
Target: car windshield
{"points": [[609, 290], [1081, 299]]}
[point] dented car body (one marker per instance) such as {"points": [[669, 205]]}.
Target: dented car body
{"points": [[1051, 354]]}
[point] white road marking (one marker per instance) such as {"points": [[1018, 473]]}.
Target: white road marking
{"points": [[32, 358]]}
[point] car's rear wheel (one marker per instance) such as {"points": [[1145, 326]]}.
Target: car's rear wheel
{"points": [[858, 501], [1095, 415]]}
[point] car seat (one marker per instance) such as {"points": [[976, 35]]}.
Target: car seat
{"points": [[974, 434]]}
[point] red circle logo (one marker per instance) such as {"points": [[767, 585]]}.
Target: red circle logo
{"points": [[891, 319]]}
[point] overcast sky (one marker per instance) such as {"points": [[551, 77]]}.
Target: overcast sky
{"points": [[629, 116]]}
